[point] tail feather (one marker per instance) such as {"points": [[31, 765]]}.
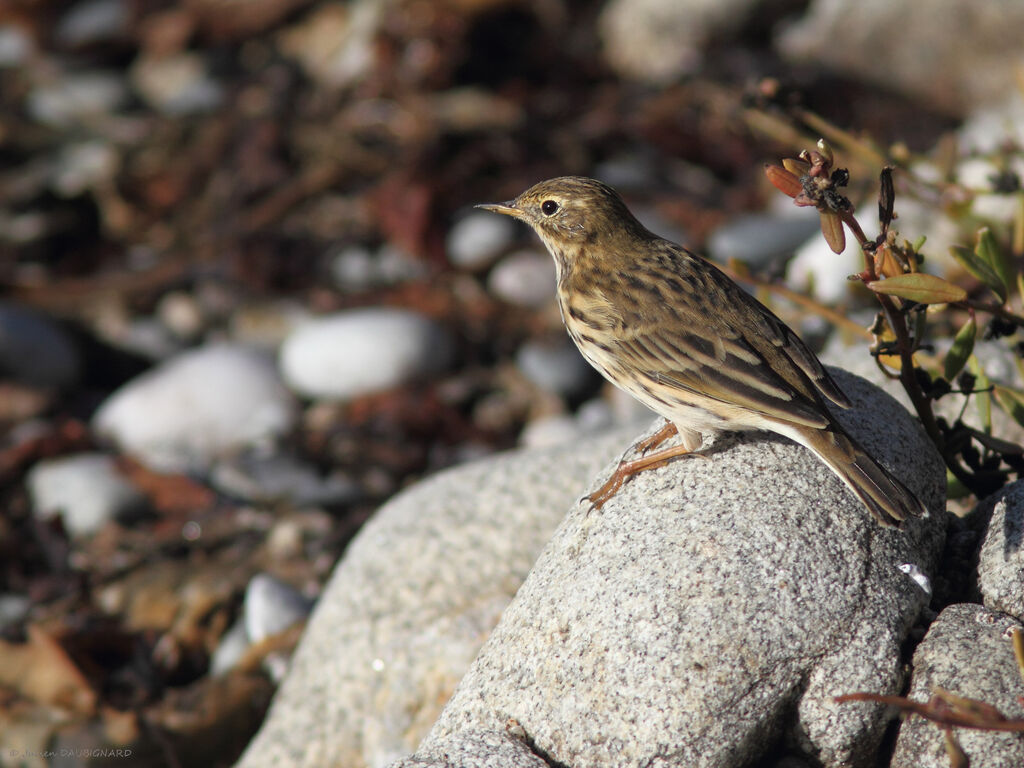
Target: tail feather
{"points": [[888, 500]]}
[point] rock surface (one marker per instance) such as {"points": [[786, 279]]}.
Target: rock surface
{"points": [[958, 55], [967, 652], [657, 40], [708, 610], [1001, 560], [415, 596], [687, 619]]}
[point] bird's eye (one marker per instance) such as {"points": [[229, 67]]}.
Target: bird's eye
{"points": [[548, 207]]}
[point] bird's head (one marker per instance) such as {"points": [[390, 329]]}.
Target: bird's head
{"points": [[571, 210]]}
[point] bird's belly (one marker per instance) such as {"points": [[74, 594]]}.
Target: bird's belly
{"points": [[682, 408]]}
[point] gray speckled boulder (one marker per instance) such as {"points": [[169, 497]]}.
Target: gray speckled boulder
{"points": [[415, 596], [1001, 560], [968, 652], [709, 609]]}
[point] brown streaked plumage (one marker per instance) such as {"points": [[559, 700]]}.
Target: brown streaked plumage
{"points": [[675, 332]]}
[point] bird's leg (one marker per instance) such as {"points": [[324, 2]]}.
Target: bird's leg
{"points": [[657, 438], [691, 440]]}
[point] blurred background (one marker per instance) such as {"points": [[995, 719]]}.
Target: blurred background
{"points": [[244, 297]]}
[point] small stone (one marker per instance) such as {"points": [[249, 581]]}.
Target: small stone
{"points": [[478, 238], [181, 314], [361, 351], [271, 607], [980, 174], [67, 99], [334, 43], [13, 609], [352, 269], [84, 166], [178, 84], [989, 129], [229, 650], [628, 171], [558, 368], [762, 240], [280, 478], [816, 268], [86, 490], [284, 540], [16, 45], [524, 278], [357, 269], [196, 407], [143, 336], [92, 22], [267, 325], [35, 350]]}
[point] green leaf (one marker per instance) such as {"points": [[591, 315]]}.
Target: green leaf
{"points": [[982, 399], [980, 269], [988, 250], [962, 347], [920, 287], [1011, 401], [954, 488]]}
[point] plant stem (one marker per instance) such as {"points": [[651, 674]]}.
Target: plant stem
{"points": [[896, 320]]}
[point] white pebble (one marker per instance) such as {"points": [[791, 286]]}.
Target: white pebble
{"points": [[16, 45], [14, 609], [476, 239], [180, 313], [353, 269], [357, 269], [918, 576], [230, 650], [176, 85], [762, 239], [524, 278], [68, 98], [93, 22], [198, 406], [281, 478], [360, 351], [558, 368], [271, 607], [83, 166], [816, 267], [86, 490]]}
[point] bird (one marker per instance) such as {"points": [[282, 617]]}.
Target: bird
{"points": [[679, 335]]}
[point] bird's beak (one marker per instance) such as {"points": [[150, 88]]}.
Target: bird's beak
{"points": [[509, 208]]}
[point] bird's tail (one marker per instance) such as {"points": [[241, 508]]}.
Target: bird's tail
{"points": [[888, 500]]}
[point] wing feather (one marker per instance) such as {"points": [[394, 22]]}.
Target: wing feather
{"points": [[745, 356]]}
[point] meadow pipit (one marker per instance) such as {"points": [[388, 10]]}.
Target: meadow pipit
{"points": [[675, 332]]}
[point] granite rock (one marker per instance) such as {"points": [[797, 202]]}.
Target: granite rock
{"points": [[418, 591], [1001, 558], [967, 652], [710, 609]]}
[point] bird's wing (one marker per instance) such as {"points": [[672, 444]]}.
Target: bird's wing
{"points": [[743, 355]]}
